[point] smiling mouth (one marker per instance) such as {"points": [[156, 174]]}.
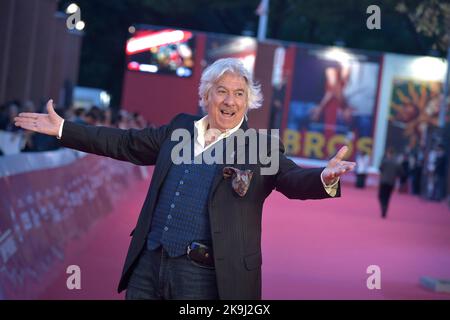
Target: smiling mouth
{"points": [[227, 113]]}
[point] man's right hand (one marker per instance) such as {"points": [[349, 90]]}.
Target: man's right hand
{"points": [[39, 122]]}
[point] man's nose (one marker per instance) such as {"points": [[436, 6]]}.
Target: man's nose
{"points": [[229, 100]]}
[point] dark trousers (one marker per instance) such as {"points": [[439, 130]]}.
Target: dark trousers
{"points": [[384, 194], [361, 180], [157, 276], [416, 181], [439, 188]]}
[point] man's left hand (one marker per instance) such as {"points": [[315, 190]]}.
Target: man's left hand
{"points": [[337, 167]]}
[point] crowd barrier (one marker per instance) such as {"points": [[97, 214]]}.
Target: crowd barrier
{"points": [[47, 200], [11, 142]]}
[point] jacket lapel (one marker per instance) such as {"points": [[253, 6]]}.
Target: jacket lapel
{"points": [[166, 153], [219, 172]]}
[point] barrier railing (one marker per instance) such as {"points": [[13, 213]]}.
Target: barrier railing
{"points": [[41, 211]]}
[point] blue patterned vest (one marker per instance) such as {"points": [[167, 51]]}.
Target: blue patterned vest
{"points": [[181, 213]]}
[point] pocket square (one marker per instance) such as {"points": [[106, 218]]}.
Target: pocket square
{"points": [[240, 179]]}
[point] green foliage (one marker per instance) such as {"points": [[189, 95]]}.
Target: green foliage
{"points": [[430, 18]]}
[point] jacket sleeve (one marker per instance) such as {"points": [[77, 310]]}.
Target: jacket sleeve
{"points": [[140, 147], [296, 182]]}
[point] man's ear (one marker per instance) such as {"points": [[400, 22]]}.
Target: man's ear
{"points": [[206, 102]]}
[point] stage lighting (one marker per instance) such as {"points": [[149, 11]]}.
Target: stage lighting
{"points": [[80, 25], [72, 8]]}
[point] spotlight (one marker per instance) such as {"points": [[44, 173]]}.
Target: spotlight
{"points": [[72, 8], [80, 25]]}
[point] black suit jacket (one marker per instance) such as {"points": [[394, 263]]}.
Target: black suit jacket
{"points": [[235, 221]]}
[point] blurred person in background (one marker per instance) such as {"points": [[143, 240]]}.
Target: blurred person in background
{"points": [[440, 173], [123, 120], [78, 116], [416, 168], [107, 116], [12, 111], [362, 168], [94, 116], [139, 120], [390, 170], [11, 139], [431, 177], [28, 106], [404, 162], [3, 116]]}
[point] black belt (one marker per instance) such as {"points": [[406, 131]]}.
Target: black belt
{"points": [[201, 254]]}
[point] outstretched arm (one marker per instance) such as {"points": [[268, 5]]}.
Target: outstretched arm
{"points": [[137, 146], [299, 183]]}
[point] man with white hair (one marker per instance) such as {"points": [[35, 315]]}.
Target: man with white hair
{"points": [[198, 235]]}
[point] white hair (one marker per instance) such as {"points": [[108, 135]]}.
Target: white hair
{"points": [[231, 65]]}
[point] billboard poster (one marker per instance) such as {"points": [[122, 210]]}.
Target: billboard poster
{"points": [[414, 111], [333, 103]]}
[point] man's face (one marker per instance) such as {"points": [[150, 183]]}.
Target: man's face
{"points": [[227, 102]]}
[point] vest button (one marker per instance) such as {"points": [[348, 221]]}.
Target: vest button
{"points": [[169, 216], [177, 193], [186, 171], [165, 228], [181, 182], [172, 206]]}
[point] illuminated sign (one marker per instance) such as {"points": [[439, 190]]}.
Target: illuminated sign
{"points": [[161, 51]]}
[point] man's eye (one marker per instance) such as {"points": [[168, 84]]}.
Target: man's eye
{"points": [[239, 94], [222, 91]]}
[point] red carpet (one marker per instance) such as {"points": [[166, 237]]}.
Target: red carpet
{"points": [[100, 254], [311, 250], [321, 249]]}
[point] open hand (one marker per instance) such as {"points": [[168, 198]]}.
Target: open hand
{"points": [[40, 122], [337, 167]]}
